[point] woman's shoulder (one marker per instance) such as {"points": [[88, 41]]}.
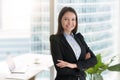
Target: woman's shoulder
{"points": [[79, 35], [54, 37]]}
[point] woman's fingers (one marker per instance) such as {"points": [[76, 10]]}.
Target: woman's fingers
{"points": [[61, 63], [87, 56]]}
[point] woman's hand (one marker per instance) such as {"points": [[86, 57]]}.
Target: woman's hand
{"points": [[87, 56], [63, 64]]}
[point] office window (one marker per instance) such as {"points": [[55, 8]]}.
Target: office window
{"points": [[40, 27], [40, 32], [96, 23]]}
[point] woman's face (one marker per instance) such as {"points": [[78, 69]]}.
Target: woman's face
{"points": [[68, 22]]}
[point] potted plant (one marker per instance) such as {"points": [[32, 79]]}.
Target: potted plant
{"points": [[94, 73]]}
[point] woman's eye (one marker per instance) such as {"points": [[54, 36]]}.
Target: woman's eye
{"points": [[65, 19], [69, 19], [73, 19]]}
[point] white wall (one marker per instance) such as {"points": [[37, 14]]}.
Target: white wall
{"points": [[16, 18]]}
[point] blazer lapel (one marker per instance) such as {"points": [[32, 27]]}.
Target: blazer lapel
{"points": [[64, 41], [81, 46]]}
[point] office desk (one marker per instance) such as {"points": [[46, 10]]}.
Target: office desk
{"points": [[34, 63]]}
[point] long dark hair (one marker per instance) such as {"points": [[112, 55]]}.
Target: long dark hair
{"points": [[62, 12]]}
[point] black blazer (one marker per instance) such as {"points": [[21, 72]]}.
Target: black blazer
{"points": [[60, 49]]}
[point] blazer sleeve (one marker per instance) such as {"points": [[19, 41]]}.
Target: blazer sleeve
{"points": [[85, 64], [56, 54]]}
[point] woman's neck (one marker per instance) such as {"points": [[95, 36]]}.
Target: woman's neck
{"points": [[68, 33]]}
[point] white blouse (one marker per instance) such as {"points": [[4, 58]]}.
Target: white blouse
{"points": [[73, 43]]}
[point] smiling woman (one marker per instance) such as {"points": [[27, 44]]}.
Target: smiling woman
{"points": [[96, 18]]}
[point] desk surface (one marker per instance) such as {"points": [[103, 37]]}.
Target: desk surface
{"points": [[33, 62]]}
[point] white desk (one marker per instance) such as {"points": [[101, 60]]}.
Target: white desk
{"points": [[45, 62]]}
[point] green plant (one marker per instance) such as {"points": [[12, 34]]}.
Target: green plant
{"points": [[95, 72]]}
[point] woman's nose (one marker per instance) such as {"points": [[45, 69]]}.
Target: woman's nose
{"points": [[69, 22]]}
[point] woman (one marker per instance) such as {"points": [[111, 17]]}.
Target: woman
{"points": [[70, 53]]}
